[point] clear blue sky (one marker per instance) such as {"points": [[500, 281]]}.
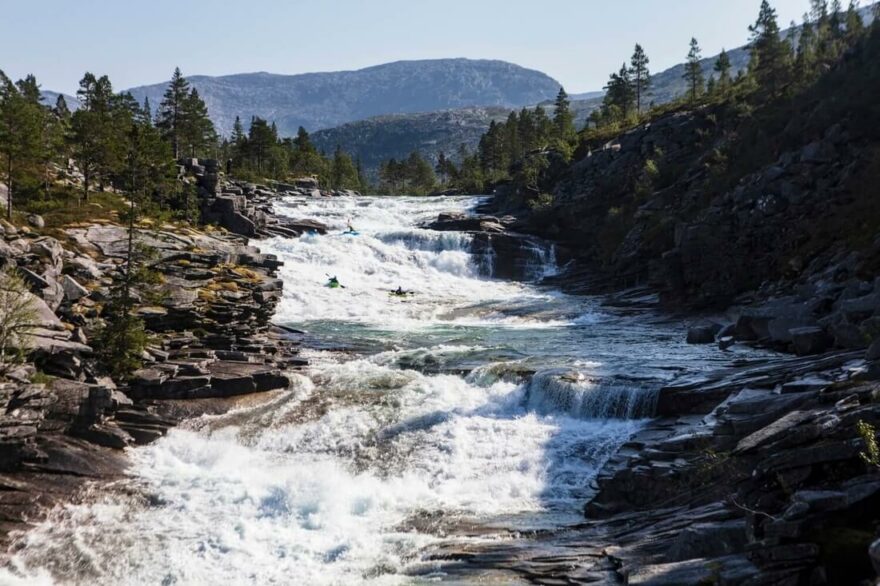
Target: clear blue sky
{"points": [[576, 41]]}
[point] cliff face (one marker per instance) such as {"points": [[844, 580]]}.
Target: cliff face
{"points": [[762, 200]]}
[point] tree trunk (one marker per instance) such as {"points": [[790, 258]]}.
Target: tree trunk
{"points": [[86, 177], [9, 187]]}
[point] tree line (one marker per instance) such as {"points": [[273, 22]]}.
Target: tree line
{"points": [[777, 64], [262, 153], [101, 136], [520, 141], [522, 148]]}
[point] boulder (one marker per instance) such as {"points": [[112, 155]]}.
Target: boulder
{"points": [[809, 340], [711, 539], [874, 552], [873, 351], [73, 290], [36, 221], [703, 333]]}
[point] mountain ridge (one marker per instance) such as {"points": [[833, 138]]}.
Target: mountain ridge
{"points": [[320, 100]]}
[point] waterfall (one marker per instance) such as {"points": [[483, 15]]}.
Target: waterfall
{"points": [[565, 391]]}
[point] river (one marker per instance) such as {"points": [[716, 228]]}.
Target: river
{"points": [[471, 410]]}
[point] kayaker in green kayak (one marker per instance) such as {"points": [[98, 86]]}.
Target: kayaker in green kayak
{"points": [[334, 283]]}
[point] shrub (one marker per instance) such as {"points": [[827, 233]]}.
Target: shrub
{"points": [[18, 317]]}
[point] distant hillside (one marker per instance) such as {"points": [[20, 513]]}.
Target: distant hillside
{"points": [[325, 100], [395, 136], [374, 140]]}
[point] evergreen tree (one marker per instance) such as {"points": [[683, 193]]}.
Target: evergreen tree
{"points": [[62, 110], [722, 68], [640, 76], [21, 120], [543, 127], [853, 21], [442, 167], [197, 132], [805, 56], [122, 341], [512, 144], [619, 96], [343, 173], [420, 173], [770, 55], [563, 121], [819, 11], [835, 20], [261, 139], [97, 130], [526, 131], [303, 141], [693, 71], [363, 183], [238, 135], [171, 114]]}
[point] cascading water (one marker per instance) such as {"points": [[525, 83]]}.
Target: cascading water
{"points": [[419, 419]]}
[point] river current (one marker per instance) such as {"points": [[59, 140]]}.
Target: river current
{"points": [[471, 410]]}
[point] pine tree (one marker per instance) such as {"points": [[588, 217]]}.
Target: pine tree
{"points": [[770, 55], [62, 110], [343, 173], [442, 167], [238, 135], [805, 57], [853, 21], [147, 111], [512, 142], [693, 71], [563, 120], [95, 130], [197, 132], [20, 145], [261, 139], [303, 141], [722, 68], [122, 341], [640, 76], [819, 11], [835, 20], [170, 117], [619, 96]]}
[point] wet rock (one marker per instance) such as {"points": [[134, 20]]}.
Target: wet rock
{"points": [[107, 435], [462, 223], [874, 553], [809, 340], [709, 540], [736, 569], [703, 333]]}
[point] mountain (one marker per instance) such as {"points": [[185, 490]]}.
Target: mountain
{"points": [[374, 140], [325, 100], [396, 135]]}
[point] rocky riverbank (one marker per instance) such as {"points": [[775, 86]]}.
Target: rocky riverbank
{"points": [[756, 474], [62, 424], [763, 228]]}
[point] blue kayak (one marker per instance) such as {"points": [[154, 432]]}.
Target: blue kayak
{"points": [[351, 233]]}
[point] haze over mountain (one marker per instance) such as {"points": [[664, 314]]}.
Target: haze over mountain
{"points": [[324, 100]]}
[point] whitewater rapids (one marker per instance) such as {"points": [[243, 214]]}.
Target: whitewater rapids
{"points": [[471, 410]]}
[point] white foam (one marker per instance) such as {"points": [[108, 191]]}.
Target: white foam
{"points": [[328, 484]]}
